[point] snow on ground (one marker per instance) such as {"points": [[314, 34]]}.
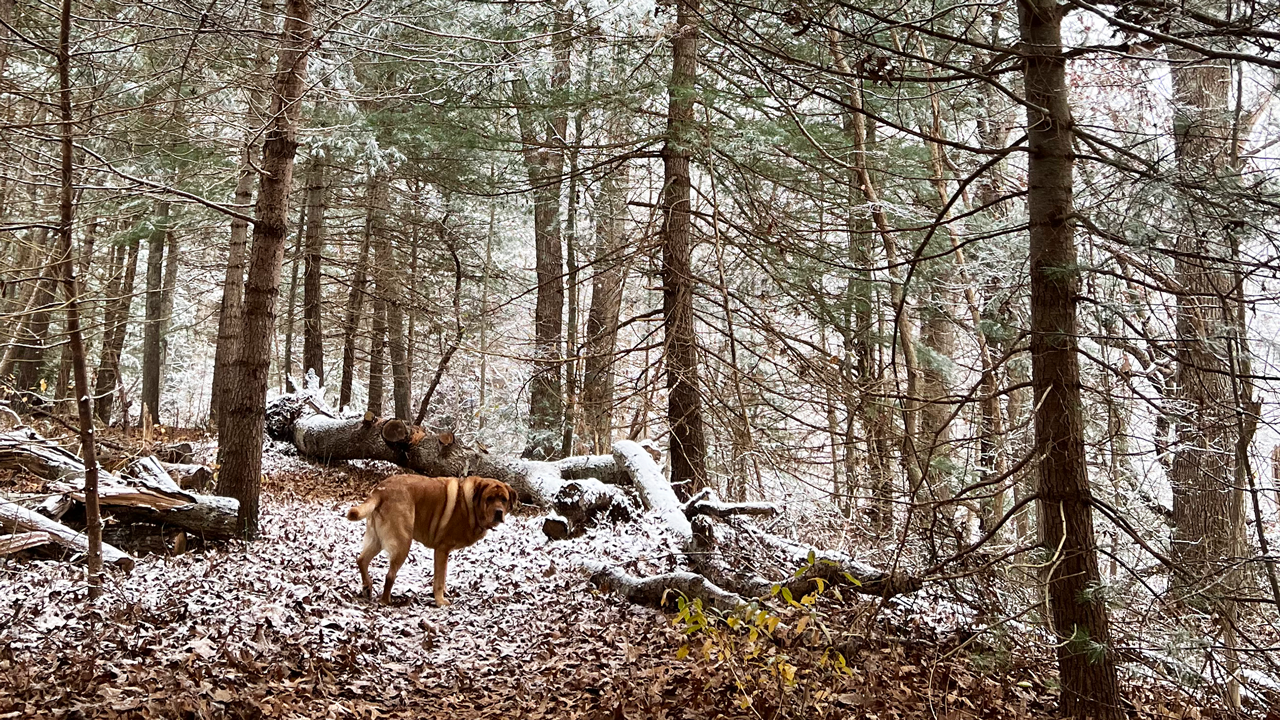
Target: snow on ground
{"points": [[258, 629]]}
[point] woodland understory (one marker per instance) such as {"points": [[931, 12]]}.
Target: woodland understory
{"points": [[277, 628], [875, 359]]}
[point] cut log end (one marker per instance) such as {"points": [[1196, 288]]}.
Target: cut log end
{"points": [[395, 432], [558, 527]]}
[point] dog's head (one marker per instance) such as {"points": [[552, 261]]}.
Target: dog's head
{"points": [[493, 499]]}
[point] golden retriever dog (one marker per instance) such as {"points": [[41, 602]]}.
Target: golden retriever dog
{"points": [[442, 513]]}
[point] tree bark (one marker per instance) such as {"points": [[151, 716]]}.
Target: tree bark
{"points": [[70, 289], [240, 447], [152, 328], [610, 266], [32, 337], [379, 198], [389, 290], [231, 309], [1208, 508], [116, 329], [1086, 659], [544, 151], [312, 329], [688, 445], [351, 321], [171, 257]]}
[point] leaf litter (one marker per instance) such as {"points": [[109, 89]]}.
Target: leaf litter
{"points": [[276, 629]]}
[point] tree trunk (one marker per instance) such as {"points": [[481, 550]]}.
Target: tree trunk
{"points": [[544, 150], [116, 327], [390, 290], [1086, 659], [572, 349], [379, 197], [28, 352], [240, 446], [688, 445], [231, 309], [351, 321], [1208, 510], [70, 289], [312, 330], [610, 265], [172, 255], [284, 368], [151, 329]]}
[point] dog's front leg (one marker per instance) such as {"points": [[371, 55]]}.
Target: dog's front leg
{"points": [[442, 569]]}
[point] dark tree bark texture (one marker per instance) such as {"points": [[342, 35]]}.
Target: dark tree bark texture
{"points": [[312, 329], [151, 329], [240, 441], [1086, 659], [602, 317], [684, 401]]}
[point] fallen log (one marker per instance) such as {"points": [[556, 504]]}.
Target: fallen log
{"points": [[148, 494], [582, 504], [601, 467], [836, 568], [319, 433], [705, 503], [653, 487], [190, 477], [15, 518], [18, 542], [660, 590]]}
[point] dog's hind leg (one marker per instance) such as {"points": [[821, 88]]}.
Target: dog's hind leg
{"points": [[372, 546], [397, 550]]}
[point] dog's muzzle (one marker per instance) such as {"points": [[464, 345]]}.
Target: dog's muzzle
{"points": [[497, 516]]}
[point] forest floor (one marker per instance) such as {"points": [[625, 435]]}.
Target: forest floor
{"points": [[276, 629]]}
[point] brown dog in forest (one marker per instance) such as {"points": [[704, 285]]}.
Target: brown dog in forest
{"points": [[442, 513]]}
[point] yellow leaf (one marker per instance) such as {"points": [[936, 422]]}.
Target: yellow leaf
{"points": [[732, 622], [744, 702], [804, 623], [683, 652]]}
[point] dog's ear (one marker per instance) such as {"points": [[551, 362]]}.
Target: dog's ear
{"points": [[477, 491], [513, 497]]}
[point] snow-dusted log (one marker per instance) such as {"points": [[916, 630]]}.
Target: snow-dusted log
{"points": [[149, 494], [15, 518], [189, 476], [660, 590], [706, 503], [18, 542], [583, 499], [601, 467], [581, 504], [655, 490], [836, 568], [318, 433], [25, 449]]}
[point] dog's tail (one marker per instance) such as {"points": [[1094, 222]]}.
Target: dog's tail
{"points": [[360, 512]]}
